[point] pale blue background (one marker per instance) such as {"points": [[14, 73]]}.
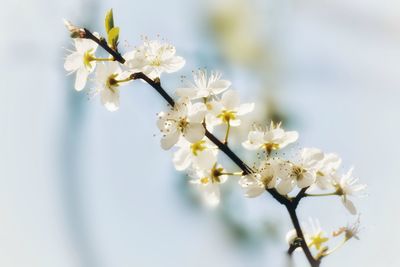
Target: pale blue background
{"points": [[80, 186]]}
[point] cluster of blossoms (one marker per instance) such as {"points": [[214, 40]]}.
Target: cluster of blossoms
{"points": [[206, 105]]}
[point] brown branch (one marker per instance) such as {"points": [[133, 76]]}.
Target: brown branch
{"points": [[290, 204]]}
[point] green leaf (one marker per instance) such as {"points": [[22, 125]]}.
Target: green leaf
{"points": [[109, 21], [113, 36]]}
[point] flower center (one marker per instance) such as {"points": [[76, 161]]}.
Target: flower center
{"points": [[204, 180], [88, 57], [298, 172], [215, 174], [270, 146], [318, 240], [227, 116], [156, 62], [182, 124], [112, 82], [198, 147]]}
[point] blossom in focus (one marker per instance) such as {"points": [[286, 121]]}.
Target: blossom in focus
{"points": [[270, 139], [208, 182], [302, 173], [199, 155], [347, 186], [82, 61], [204, 85], [265, 177], [227, 110], [184, 119], [108, 77], [153, 58]]}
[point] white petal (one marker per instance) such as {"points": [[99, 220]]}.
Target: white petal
{"points": [[230, 100], [186, 92], [181, 159], [173, 64], [349, 206], [84, 45], [205, 159], [73, 62], [197, 112], [211, 194], [285, 186], [311, 156], [250, 146], [307, 180], [110, 99], [170, 140], [254, 191], [81, 78], [289, 137], [194, 132], [245, 108], [235, 123], [219, 86]]}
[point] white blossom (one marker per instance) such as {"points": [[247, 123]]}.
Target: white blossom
{"points": [[81, 61], [153, 58], [184, 119], [350, 231], [227, 110], [326, 170], [265, 177], [204, 85], [347, 186], [199, 155], [270, 139], [302, 173], [107, 79], [314, 234], [208, 182]]}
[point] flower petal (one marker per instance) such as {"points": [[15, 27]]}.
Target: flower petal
{"points": [[285, 186], [73, 62], [110, 99], [230, 100], [170, 140], [245, 108], [81, 78], [194, 132]]}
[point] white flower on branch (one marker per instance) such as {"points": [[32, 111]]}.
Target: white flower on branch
{"points": [[153, 58], [208, 182], [204, 85], [184, 119], [347, 186], [270, 139], [302, 173], [108, 78], [81, 61], [199, 155], [227, 110], [314, 234], [264, 178], [350, 231], [326, 170]]}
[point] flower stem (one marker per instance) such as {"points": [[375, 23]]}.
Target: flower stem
{"points": [[228, 128], [103, 59]]}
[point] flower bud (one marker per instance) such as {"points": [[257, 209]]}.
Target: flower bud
{"points": [[75, 32]]}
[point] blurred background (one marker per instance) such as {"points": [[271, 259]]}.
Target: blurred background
{"points": [[84, 187]]}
